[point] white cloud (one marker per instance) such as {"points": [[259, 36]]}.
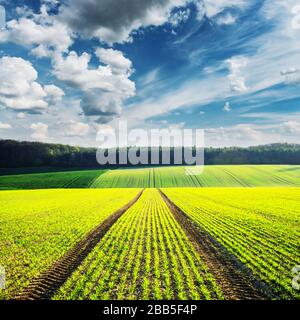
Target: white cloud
{"points": [[226, 19], [5, 125], [227, 107], [197, 92], [74, 129], [291, 127], [240, 135], [277, 50], [179, 17], [21, 115], [75, 71], [40, 131], [271, 131], [115, 59], [236, 79], [105, 88], [54, 94], [109, 20], [214, 7], [18, 87], [149, 77], [42, 32]]}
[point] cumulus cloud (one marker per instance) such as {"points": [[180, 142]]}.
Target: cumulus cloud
{"points": [[40, 131], [236, 79], [108, 20], [114, 20], [105, 88], [291, 127], [238, 135], [115, 59], [5, 125], [54, 94], [75, 129], [42, 32], [18, 87]]}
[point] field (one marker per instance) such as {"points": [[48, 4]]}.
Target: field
{"points": [[212, 176], [258, 226], [177, 243], [49, 180], [38, 227], [145, 255], [165, 177]]}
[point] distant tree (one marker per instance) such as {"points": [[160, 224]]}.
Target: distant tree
{"points": [[15, 154]]}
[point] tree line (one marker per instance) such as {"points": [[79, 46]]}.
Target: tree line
{"points": [[16, 154]]}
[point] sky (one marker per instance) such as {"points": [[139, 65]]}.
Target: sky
{"points": [[73, 67]]}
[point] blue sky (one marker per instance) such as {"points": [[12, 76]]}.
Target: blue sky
{"points": [[71, 68]]}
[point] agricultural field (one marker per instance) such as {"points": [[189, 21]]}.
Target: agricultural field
{"points": [[159, 177], [260, 227], [145, 255], [49, 180], [167, 243], [38, 227], [212, 176]]}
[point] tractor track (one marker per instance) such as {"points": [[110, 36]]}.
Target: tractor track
{"points": [[234, 278], [47, 284]]}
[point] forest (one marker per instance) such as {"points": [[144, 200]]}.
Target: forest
{"points": [[17, 154]]}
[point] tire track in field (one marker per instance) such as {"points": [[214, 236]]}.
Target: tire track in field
{"points": [[235, 279], [46, 285]]}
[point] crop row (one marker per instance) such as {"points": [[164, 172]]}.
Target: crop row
{"points": [[50, 180], [259, 226], [145, 255], [159, 177], [38, 227], [212, 176]]}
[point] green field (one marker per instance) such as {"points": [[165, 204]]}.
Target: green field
{"points": [[163, 177], [49, 180], [147, 254], [259, 226], [212, 176], [38, 227]]}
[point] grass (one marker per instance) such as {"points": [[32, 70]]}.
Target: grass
{"points": [[68, 179], [259, 226], [38, 227], [145, 255], [213, 176]]}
